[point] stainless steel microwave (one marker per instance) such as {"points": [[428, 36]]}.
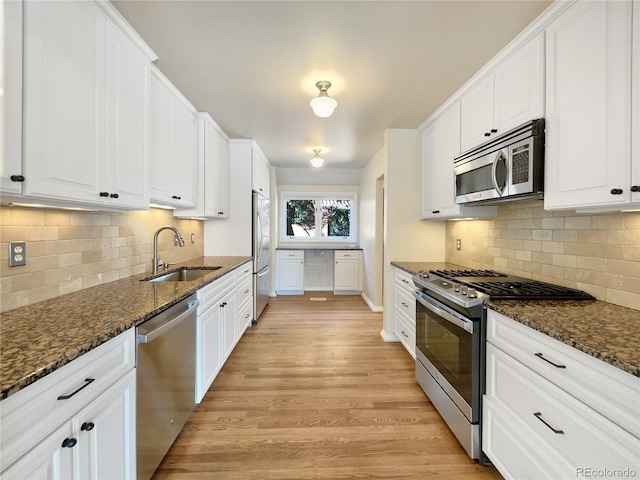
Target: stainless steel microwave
{"points": [[509, 167]]}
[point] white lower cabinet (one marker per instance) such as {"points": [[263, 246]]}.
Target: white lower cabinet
{"points": [[347, 276], [290, 264], [218, 325], [540, 426], [78, 422], [404, 310]]}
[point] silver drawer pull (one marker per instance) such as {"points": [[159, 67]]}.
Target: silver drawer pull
{"points": [[405, 304], [246, 291], [538, 415], [87, 381], [405, 281], [405, 334], [539, 355]]}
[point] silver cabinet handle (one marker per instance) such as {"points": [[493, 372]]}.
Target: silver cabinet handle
{"points": [[405, 281], [405, 334], [407, 306], [538, 415], [540, 355]]}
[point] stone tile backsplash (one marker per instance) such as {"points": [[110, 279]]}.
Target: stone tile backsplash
{"points": [[73, 250], [598, 253]]}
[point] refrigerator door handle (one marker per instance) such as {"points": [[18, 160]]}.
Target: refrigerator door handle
{"points": [[259, 239], [263, 272]]}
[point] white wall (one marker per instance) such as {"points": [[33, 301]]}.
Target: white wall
{"points": [[323, 176], [406, 237]]}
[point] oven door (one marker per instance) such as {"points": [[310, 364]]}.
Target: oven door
{"points": [[448, 345]]}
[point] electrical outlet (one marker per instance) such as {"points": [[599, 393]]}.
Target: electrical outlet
{"points": [[193, 238], [17, 254], [458, 244]]}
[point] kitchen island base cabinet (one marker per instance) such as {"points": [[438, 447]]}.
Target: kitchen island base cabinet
{"points": [[404, 310], [543, 425]]}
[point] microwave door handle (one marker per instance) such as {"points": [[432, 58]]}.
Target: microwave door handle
{"points": [[494, 169]]}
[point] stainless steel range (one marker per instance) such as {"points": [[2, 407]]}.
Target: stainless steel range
{"points": [[450, 339]]}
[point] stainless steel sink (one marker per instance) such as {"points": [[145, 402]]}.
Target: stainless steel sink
{"points": [[183, 275]]}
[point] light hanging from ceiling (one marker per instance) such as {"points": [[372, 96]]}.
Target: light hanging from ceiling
{"points": [[317, 161], [323, 105]]}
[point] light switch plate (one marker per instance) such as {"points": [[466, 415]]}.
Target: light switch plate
{"points": [[17, 254]]}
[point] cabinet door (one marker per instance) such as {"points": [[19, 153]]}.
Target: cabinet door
{"points": [[106, 432], [209, 350], [127, 122], [635, 121], [183, 172], [211, 170], [261, 172], [10, 96], [429, 171], [64, 72], [49, 460], [447, 147], [588, 106], [160, 147], [228, 312], [476, 108], [223, 179], [519, 87], [346, 275], [291, 275]]}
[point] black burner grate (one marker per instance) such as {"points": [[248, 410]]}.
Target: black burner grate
{"points": [[529, 290], [452, 274]]}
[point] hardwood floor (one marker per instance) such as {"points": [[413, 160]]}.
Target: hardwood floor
{"points": [[312, 392]]}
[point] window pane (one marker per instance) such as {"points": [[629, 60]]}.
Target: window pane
{"points": [[336, 218], [301, 218]]}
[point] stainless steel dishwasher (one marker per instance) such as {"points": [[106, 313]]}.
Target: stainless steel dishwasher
{"points": [[166, 375]]}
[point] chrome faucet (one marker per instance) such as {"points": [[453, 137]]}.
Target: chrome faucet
{"points": [[156, 258]]}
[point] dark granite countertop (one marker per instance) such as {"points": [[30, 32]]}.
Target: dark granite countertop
{"points": [[603, 330], [37, 339]]}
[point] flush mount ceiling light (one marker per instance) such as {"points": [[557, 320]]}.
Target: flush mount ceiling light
{"points": [[317, 161], [323, 105]]}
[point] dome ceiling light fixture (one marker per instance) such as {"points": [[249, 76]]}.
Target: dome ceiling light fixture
{"points": [[323, 105], [317, 161]]}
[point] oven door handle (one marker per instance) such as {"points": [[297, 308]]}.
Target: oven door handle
{"points": [[461, 322]]}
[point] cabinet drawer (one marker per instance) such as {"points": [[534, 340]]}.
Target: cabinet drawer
{"points": [[243, 272], [243, 317], [244, 291], [292, 254], [581, 436], [406, 302], [403, 279], [406, 331], [210, 294], [346, 254], [607, 389], [38, 410]]}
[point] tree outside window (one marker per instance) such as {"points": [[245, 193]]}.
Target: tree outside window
{"points": [[318, 217]]}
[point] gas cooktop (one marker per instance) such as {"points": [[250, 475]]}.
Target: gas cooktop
{"points": [[471, 287]]}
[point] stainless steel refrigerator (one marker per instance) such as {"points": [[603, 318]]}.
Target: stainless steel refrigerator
{"points": [[260, 254]]}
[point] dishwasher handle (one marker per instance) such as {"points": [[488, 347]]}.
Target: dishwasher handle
{"points": [[153, 334]]}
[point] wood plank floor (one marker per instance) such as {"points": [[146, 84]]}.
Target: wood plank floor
{"points": [[312, 392]]}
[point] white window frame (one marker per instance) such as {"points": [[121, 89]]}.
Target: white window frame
{"points": [[286, 196]]}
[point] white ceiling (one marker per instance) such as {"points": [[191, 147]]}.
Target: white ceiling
{"points": [[253, 65]]}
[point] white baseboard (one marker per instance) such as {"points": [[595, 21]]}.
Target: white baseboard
{"points": [[388, 337], [374, 308]]}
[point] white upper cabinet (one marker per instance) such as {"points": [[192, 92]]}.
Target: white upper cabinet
{"points": [[212, 179], [174, 144], [440, 144], [11, 97], [635, 97], [508, 96], [261, 172], [86, 85], [588, 107]]}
